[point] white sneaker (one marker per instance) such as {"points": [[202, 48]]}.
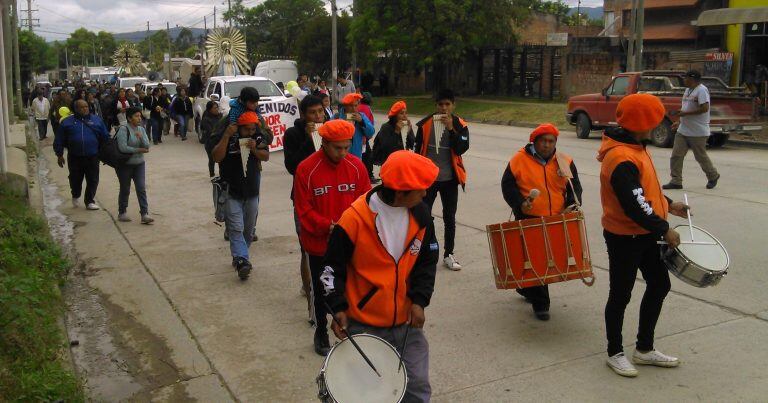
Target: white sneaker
{"points": [[93, 206], [656, 358], [621, 365], [75, 202], [123, 218], [146, 219], [451, 263]]}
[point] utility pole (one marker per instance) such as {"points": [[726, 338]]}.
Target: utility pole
{"points": [[334, 45], [229, 10], [8, 56], [168, 32], [639, 34], [16, 61], [93, 42], [149, 39], [31, 22], [631, 41], [66, 61], [214, 17], [5, 127]]}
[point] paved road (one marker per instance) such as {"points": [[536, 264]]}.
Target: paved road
{"points": [[254, 341]]}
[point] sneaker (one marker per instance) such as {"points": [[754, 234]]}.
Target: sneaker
{"points": [[672, 186], [712, 183], [146, 219], [451, 263], [243, 269], [92, 206], [322, 345], [123, 217], [621, 365], [75, 202], [655, 358]]}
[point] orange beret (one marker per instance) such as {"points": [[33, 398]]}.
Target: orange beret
{"points": [[247, 118], [544, 128], [640, 112], [349, 99], [406, 171], [396, 108], [337, 130]]}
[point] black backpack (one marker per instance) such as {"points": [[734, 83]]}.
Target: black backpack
{"points": [[110, 154]]}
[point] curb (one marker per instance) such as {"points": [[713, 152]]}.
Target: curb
{"points": [[747, 144]]}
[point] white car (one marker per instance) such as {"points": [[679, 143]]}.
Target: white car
{"points": [[223, 89], [130, 82], [148, 86]]}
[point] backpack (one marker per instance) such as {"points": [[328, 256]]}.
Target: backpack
{"points": [[110, 154]]}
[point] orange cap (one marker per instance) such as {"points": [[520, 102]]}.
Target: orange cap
{"points": [[640, 112], [349, 99], [247, 118], [337, 130], [405, 171], [396, 108], [544, 128]]}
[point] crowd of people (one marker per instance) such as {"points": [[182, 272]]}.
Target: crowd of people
{"points": [[369, 252]]}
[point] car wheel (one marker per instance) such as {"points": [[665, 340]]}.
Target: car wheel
{"points": [[583, 126], [662, 135], [717, 140]]}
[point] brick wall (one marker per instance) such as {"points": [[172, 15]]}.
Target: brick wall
{"points": [[585, 73]]}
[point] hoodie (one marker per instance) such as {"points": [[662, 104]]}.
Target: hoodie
{"points": [[633, 202]]}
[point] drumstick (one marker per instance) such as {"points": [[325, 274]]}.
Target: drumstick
{"points": [[688, 213], [402, 349], [351, 339]]}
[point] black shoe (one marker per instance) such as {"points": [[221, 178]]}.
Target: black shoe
{"points": [[154, 142], [322, 345], [541, 313], [243, 269], [672, 186], [183, 139], [711, 184], [234, 262]]}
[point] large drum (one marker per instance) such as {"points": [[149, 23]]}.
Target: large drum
{"points": [[346, 377], [540, 251], [700, 260]]}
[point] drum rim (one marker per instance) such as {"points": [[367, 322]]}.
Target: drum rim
{"points": [[328, 357], [722, 246]]}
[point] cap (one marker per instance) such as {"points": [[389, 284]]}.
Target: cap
{"points": [[406, 171], [247, 118], [544, 128], [337, 130], [396, 108], [640, 112], [349, 99]]}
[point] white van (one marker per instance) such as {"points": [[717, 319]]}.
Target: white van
{"points": [[130, 82], [279, 71]]}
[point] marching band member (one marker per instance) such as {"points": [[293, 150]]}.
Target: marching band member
{"points": [[325, 184], [635, 213], [380, 265], [536, 166]]}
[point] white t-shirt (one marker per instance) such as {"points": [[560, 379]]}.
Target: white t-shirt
{"points": [[392, 224], [695, 125]]}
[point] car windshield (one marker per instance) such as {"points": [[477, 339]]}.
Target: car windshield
{"points": [[266, 88], [168, 86]]}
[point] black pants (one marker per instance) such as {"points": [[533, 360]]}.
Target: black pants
{"points": [[83, 167], [42, 129], [449, 196], [211, 162], [538, 295], [626, 254], [319, 313]]}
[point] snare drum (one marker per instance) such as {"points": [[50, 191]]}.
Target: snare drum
{"points": [[346, 377], [702, 263]]}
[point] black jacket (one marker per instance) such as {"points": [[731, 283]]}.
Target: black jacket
{"points": [[195, 85], [388, 141], [297, 145], [459, 137], [182, 107], [150, 103]]}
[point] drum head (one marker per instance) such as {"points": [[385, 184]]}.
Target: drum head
{"points": [[349, 378], [709, 257]]}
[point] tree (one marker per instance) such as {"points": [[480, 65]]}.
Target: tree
{"points": [[185, 39], [159, 42], [35, 55], [105, 47], [313, 45]]}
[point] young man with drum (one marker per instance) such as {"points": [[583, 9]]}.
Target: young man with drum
{"points": [[537, 167], [635, 213], [381, 263], [325, 184]]}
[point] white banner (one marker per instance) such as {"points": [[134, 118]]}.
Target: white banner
{"points": [[279, 116]]}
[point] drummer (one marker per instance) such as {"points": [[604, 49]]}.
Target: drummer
{"points": [[635, 215], [535, 166], [376, 282]]}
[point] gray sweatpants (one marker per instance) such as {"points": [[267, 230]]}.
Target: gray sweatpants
{"points": [[699, 147], [415, 359]]}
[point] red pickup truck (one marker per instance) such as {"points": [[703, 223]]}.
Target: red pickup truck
{"points": [[732, 110]]}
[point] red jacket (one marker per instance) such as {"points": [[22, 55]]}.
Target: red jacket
{"points": [[322, 191]]}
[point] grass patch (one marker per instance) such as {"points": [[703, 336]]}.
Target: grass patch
{"points": [[32, 268], [491, 109]]}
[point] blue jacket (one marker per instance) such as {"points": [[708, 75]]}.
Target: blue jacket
{"points": [[80, 136], [363, 132]]}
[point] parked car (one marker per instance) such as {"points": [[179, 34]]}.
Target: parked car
{"points": [[130, 82], [731, 110], [223, 89]]}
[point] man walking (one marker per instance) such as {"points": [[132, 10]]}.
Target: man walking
{"points": [[80, 135], [692, 133], [42, 108], [344, 87]]}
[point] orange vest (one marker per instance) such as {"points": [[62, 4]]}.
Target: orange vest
{"points": [[530, 174], [456, 160], [614, 220], [376, 285]]}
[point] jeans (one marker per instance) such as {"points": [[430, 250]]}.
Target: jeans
{"points": [[627, 253], [699, 147], [319, 312], [126, 173], [415, 358], [241, 219], [181, 121], [42, 129], [154, 130], [449, 196], [83, 167]]}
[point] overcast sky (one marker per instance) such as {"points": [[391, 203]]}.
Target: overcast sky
{"points": [[60, 17]]}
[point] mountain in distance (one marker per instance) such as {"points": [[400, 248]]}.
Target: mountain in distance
{"points": [[138, 36], [595, 13]]}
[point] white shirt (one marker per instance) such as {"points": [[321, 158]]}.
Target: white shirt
{"points": [[41, 108], [392, 224], [695, 125]]}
